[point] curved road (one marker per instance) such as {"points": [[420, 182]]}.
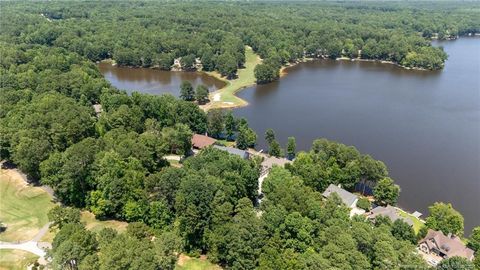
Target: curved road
{"points": [[31, 246]]}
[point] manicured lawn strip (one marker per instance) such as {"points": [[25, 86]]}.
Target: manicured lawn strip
{"points": [[23, 208], [245, 78], [417, 223], [13, 259]]}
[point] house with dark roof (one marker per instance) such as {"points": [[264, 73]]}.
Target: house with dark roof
{"points": [[234, 151], [201, 141], [388, 211], [443, 246]]}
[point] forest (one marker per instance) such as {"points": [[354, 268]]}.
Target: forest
{"points": [[153, 34], [113, 164]]}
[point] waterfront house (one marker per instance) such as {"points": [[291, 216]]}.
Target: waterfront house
{"points": [[234, 151], [437, 246], [201, 141], [349, 199], [388, 211]]}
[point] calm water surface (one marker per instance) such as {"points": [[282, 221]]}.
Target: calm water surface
{"points": [[424, 125], [154, 81]]}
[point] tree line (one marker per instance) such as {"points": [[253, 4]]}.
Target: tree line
{"points": [[153, 34]]}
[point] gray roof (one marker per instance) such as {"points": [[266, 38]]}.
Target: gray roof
{"points": [[347, 197], [233, 151], [389, 212]]}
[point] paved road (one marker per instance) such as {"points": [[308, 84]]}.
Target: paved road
{"points": [[30, 246]]}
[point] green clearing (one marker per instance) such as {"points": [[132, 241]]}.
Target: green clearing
{"points": [[23, 208], [189, 263], [246, 77], [95, 225], [13, 259], [417, 223]]}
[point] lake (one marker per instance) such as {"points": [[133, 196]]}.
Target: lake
{"points": [[154, 81], [424, 125]]}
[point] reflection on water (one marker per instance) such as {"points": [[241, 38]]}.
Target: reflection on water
{"points": [[154, 81]]}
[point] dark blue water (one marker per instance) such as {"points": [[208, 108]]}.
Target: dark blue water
{"points": [[424, 125]]}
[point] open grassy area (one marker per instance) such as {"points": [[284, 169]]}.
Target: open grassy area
{"points": [[417, 223], [12, 259], [189, 263], [95, 225], [225, 97], [23, 208]]}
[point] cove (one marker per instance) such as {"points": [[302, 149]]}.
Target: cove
{"points": [[154, 81], [425, 125]]}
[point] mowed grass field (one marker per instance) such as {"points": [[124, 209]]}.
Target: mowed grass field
{"points": [[13, 259], [23, 208], [189, 263], [245, 78]]}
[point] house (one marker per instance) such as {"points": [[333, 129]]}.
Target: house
{"points": [[348, 198], [388, 211], [201, 141], [234, 151], [437, 246]]}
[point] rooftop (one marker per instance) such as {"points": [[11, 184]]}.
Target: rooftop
{"points": [[347, 197], [234, 151], [202, 141], [390, 212], [449, 245]]}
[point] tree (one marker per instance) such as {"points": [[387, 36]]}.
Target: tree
{"points": [[444, 218], [474, 240], [455, 263], [274, 149], [193, 208], [386, 192], [230, 125], [188, 62], [201, 94], [178, 139], [216, 122], [291, 147], [265, 73], [227, 65], [269, 136], [246, 138], [71, 245], [403, 231], [60, 216], [186, 91], [364, 203]]}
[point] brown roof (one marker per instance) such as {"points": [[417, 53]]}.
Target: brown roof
{"points": [[202, 141], [448, 245]]}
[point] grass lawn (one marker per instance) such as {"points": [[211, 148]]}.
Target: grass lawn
{"points": [[417, 223], [189, 263], [226, 143], [94, 225], [13, 259], [23, 208], [245, 78]]}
